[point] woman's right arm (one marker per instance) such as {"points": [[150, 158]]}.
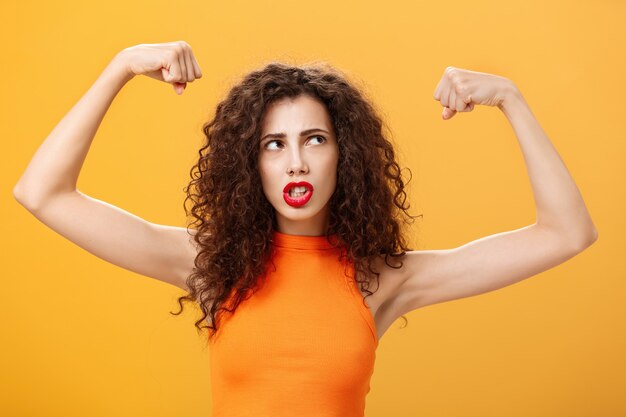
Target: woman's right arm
{"points": [[48, 190]]}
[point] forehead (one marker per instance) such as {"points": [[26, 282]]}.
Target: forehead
{"points": [[293, 113]]}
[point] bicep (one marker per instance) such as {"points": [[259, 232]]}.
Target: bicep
{"points": [[165, 253]]}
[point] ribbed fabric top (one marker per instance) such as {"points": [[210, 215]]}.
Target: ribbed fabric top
{"points": [[304, 344]]}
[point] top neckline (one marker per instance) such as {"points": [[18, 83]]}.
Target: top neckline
{"points": [[285, 240]]}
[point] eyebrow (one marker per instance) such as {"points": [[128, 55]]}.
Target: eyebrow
{"points": [[283, 135]]}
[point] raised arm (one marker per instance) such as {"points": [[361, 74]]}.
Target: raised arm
{"points": [[48, 186], [563, 226]]}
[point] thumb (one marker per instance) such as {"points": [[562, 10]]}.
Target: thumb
{"points": [[447, 113], [179, 87]]}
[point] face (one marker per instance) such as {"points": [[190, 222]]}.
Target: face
{"points": [[298, 143]]}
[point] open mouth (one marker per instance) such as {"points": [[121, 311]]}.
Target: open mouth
{"points": [[298, 195], [296, 192]]}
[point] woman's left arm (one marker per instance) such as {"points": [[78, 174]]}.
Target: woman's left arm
{"points": [[559, 204], [562, 229]]}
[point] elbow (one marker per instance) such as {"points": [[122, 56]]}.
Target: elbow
{"points": [[17, 193], [575, 239], [587, 241], [33, 200], [20, 197], [592, 236]]}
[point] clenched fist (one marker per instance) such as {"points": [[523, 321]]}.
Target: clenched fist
{"points": [[460, 89], [171, 62]]}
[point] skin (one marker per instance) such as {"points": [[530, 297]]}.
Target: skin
{"points": [[312, 158], [562, 229]]}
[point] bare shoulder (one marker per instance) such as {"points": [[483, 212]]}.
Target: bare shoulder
{"points": [[414, 263], [392, 275], [387, 303]]}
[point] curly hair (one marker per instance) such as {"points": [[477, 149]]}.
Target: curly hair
{"points": [[235, 220]]}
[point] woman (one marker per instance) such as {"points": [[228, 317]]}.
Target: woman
{"points": [[296, 196]]}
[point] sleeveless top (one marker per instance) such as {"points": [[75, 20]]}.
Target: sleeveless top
{"points": [[304, 344]]}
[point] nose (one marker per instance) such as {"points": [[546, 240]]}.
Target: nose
{"points": [[296, 163]]}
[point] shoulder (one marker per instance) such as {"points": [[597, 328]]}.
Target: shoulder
{"points": [[393, 272]]}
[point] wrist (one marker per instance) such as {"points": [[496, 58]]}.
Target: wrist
{"points": [[119, 69], [512, 99]]}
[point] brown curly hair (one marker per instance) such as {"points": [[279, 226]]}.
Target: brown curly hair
{"points": [[235, 220]]}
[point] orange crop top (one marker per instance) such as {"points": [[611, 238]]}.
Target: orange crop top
{"points": [[303, 345]]}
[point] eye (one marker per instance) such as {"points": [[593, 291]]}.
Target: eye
{"points": [[278, 141], [271, 141], [319, 136]]}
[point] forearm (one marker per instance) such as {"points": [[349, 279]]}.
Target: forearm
{"points": [[559, 204], [56, 164]]}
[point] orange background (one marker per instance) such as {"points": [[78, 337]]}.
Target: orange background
{"points": [[84, 337]]}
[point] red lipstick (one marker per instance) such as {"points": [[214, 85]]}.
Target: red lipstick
{"points": [[298, 201]]}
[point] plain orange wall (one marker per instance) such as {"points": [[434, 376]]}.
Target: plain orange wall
{"points": [[84, 337]]}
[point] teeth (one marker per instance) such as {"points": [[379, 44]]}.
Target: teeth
{"points": [[297, 191]]}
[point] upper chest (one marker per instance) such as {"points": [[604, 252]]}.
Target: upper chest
{"points": [[380, 303]]}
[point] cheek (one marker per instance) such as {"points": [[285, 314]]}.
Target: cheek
{"points": [[331, 168], [265, 170], [268, 180], [333, 184], [263, 177]]}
